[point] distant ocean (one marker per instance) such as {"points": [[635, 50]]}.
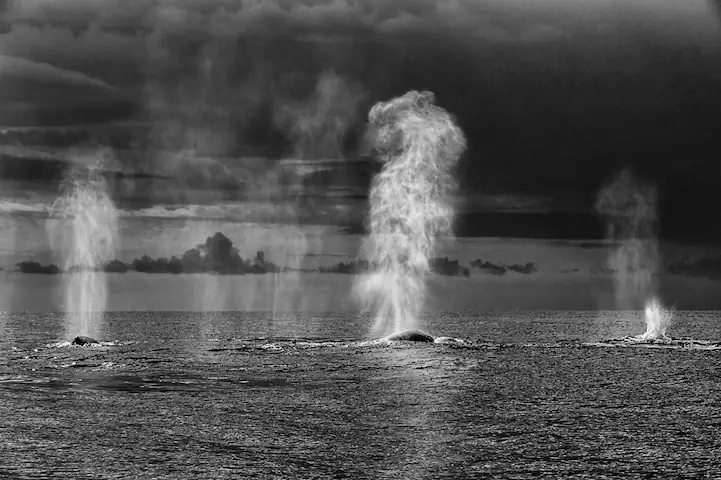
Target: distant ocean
{"points": [[240, 395], [329, 292]]}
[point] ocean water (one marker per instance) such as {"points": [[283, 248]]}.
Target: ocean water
{"points": [[236, 395]]}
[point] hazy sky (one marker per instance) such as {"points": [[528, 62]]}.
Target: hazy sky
{"points": [[553, 96]]}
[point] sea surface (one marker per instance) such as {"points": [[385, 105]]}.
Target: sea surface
{"points": [[239, 395]]}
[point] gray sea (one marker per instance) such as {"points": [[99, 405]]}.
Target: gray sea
{"points": [[243, 395]]}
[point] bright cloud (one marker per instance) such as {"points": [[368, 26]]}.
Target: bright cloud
{"points": [[21, 67]]}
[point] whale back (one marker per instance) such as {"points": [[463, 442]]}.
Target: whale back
{"points": [[83, 340], [411, 336]]}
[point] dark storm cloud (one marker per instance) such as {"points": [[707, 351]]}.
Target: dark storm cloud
{"points": [[126, 42], [551, 95], [19, 67]]}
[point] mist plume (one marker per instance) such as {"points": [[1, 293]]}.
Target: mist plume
{"points": [[83, 232], [411, 205], [317, 126], [631, 211], [629, 207]]}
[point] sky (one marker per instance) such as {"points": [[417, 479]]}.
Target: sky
{"points": [[554, 97]]}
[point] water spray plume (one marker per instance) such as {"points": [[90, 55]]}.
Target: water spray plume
{"points": [[630, 209], [657, 320], [411, 205], [317, 126], [83, 231]]}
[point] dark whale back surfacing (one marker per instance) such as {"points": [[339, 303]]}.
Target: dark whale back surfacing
{"points": [[411, 336], [83, 340]]}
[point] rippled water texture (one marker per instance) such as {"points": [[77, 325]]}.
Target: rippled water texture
{"points": [[236, 395]]}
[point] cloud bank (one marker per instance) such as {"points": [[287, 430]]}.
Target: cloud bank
{"points": [[555, 92], [27, 69]]}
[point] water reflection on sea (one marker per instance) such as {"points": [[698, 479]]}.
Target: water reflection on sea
{"points": [[306, 396]]}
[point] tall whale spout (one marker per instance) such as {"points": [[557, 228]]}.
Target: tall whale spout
{"points": [[629, 206], [83, 233], [411, 206]]}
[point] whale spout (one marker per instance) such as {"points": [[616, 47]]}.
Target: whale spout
{"points": [[411, 336], [83, 340]]}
